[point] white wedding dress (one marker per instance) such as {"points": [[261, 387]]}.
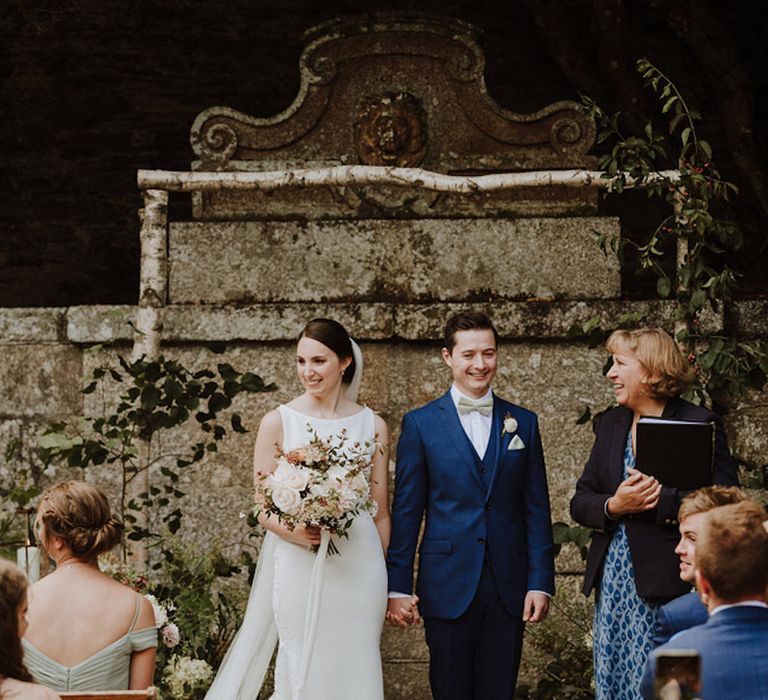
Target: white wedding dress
{"points": [[327, 612]]}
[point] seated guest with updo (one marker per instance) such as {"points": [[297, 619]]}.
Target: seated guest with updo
{"points": [[15, 680], [86, 630]]}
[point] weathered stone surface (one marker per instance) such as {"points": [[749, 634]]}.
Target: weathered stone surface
{"points": [[515, 320], [466, 260], [406, 680], [393, 91], [747, 426], [31, 325], [39, 380], [100, 324], [270, 322], [750, 317]]}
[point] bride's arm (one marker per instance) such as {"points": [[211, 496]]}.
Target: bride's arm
{"points": [[269, 437], [380, 482]]}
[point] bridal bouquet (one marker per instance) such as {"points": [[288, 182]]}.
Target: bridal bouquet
{"points": [[322, 483]]}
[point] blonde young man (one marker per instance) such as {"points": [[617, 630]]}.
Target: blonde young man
{"points": [[732, 577], [688, 611]]}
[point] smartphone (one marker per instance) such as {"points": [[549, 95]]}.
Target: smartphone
{"points": [[677, 674]]}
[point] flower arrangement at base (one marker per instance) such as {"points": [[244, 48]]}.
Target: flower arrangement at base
{"points": [[187, 678], [323, 483]]}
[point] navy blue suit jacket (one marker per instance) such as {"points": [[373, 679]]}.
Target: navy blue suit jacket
{"points": [[437, 478], [733, 646], [652, 535], [679, 614]]}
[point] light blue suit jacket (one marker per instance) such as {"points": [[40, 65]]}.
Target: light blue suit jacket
{"points": [[679, 614], [504, 513], [733, 645]]}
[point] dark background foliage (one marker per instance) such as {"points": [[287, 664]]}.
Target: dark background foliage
{"points": [[92, 90]]}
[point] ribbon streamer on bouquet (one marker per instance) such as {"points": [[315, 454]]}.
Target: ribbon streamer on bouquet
{"points": [[313, 611]]}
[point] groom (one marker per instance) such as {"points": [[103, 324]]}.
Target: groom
{"points": [[472, 465]]}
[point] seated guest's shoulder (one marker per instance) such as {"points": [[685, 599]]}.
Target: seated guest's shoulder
{"points": [[12, 690]]}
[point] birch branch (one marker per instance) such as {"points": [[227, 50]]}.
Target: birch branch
{"points": [[343, 175], [153, 287]]}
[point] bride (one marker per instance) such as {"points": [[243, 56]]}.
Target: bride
{"points": [[325, 612]]}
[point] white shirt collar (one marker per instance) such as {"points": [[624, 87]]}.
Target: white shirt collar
{"points": [[742, 604], [456, 395]]}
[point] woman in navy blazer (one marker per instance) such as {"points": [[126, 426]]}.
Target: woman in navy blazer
{"points": [[631, 562]]}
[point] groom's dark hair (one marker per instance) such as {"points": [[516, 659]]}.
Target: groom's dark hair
{"points": [[466, 321]]}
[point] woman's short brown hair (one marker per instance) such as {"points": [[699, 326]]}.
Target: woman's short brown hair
{"points": [[669, 372], [79, 514], [13, 588]]}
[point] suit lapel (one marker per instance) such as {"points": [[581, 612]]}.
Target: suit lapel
{"points": [[450, 420], [618, 444]]}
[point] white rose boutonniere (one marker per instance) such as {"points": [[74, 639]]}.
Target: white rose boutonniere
{"points": [[510, 427]]}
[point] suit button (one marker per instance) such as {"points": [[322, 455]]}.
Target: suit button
{"points": [[488, 507], [480, 540], [483, 470]]}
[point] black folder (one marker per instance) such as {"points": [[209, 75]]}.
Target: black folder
{"points": [[679, 453]]}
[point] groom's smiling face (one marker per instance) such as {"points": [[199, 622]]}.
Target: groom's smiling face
{"points": [[473, 361]]}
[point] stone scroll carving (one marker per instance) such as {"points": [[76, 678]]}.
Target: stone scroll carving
{"points": [[389, 91]]}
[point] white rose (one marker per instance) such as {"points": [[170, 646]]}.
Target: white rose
{"points": [[161, 616], [170, 635], [286, 499], [293, 477], [510, 424], [347, 497]]}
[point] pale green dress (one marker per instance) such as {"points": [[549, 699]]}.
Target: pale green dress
{"points": [[108, 669]]}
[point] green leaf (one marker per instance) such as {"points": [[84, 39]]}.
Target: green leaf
{"points": [[663, 287]]}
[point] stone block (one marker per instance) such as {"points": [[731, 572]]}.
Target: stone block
{"points": [[31, 325], [750, 317], [40, 380], [100, 324], [271, 322], [385, 260]]}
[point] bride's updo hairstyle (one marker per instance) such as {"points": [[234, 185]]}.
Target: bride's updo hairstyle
{"points": [[332, 334], [79, 514], [13, 588]]}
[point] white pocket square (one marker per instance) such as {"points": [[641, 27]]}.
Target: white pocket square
{"points": [[516, 443]]}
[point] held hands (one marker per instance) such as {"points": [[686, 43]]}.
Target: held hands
{"points": [[637, 493], [402, 612]]}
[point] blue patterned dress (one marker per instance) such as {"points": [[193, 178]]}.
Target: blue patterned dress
{"points": [[624, 622]]}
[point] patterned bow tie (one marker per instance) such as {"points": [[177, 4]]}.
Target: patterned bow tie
{"points": [[482, 406]]}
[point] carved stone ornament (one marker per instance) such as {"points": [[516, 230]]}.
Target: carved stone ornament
{"points": [[389, 90], [391, 130]]}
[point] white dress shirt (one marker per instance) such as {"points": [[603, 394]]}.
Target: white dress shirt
{"points": [[475, 424]]}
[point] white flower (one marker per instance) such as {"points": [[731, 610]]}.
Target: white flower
{"points": [[293, 477], [161, 615], [510, 424], [286, 499], [183, 674], [337, 472], [170, 635]]}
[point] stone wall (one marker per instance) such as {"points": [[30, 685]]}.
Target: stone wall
{"points": [[44, 353]]}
